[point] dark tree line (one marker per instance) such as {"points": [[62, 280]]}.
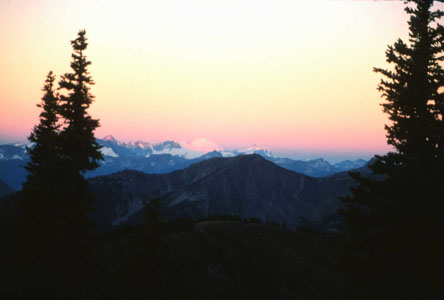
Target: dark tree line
{"points": [[56, 196], [395, 217]]}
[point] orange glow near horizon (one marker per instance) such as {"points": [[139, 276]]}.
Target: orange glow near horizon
{"points": [[294, 75]]}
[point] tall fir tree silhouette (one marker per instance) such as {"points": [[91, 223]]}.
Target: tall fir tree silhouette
{"points": [[79, 148], [395, 218]]}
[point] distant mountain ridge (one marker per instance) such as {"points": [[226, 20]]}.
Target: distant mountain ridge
{"points": [[246, 186], [188, 150], [163, 158]]}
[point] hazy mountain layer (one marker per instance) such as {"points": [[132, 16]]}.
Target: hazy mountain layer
{"points": [[162, 158]]}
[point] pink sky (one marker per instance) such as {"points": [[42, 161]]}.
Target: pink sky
{"points": [[289, 75]]}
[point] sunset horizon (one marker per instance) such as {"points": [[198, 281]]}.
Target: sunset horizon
{"points": [[268, 81], [222, 149]]}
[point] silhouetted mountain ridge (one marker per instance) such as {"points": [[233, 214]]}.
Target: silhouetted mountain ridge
{"points": [[246, 186]]}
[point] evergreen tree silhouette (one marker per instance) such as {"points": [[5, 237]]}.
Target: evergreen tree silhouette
{"points": [[44, 166], [40, 191], [56, 196], [79, 148], [79, 152], [394, 216]]}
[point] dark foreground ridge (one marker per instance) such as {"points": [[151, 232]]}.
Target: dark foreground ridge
{"points": [[247, 186], [202, 260]]}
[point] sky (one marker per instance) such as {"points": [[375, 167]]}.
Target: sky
{"points": [[294, 76]]}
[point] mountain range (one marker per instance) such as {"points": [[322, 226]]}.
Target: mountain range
{"points": [[247, 186], [162, 158]]}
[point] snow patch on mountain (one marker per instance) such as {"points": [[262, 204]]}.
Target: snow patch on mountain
{"points": [[227, 153], [106, 151], [255, 149], [320, 163], [185, 153], [140, 144]]}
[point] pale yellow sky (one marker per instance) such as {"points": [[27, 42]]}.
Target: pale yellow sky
{"points": [[294, 75]]}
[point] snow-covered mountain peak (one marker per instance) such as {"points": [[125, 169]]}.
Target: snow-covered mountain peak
{"points": [[320, 163], [201, 145], [140, 144], [175, 149], [255, 149], [109, 138]]}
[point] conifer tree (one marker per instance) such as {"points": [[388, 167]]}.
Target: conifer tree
{"points": [[39, 190], [40, 199], [44, 166], [79, 148], [56, 196], [394, 216], [78, 153]]}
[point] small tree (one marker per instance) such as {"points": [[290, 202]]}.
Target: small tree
{"points": [[393, 218], [40, 189]]}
